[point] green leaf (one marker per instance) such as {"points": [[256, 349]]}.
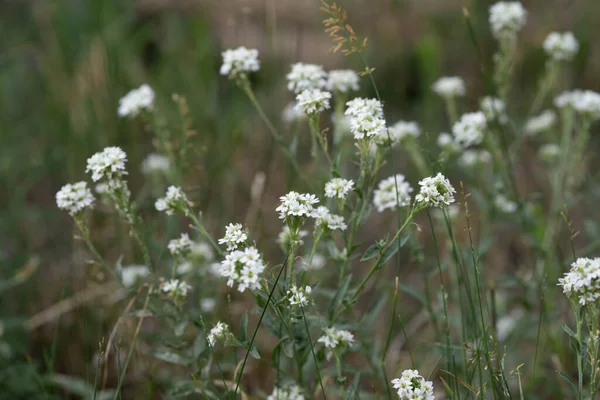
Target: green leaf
{"points": [[569, 331], [254, 353], [389, 253], [170, 357], [353, 388], [288, 348], [339, 296], [566, 378], [371, 252]]}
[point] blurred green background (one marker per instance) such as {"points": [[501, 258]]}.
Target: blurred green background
{"points": [[65, 64]]}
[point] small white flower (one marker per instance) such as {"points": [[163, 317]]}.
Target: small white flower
{"points": [[287, 392], [202, 251], [540, 123], [218, 332], [338, 188], [449, 86], [398, 132], [135, 101], [74, 198], [180, 247], [299, 297], [494, 109], [585, 102], [291, 113], [318, 261], [582, 283], [561, 46], [446, 142], [306, 76], [107, 165], [175, 200], [343, 81], [234, 236], [239, 61], [336, 338], [296, 204], [176, 288], [155, 163], [386, 196], [208, 305], [412, 386], [470, 158], [549, 152], [435, 191], [567, 99], [130, 274], [244, 268], [312, 101], [360, 106], [506, 19], [470, 129], [505, 205], [328, 220]]}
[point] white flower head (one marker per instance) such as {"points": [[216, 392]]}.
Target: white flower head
{"points": [[540, 123], [154, 164], [306, 76], [435, 191], [449, 86], [335, 339], [318, 261], [244, 268], [507, 19], [446, 142], [202, 251], [400, 131], [585, 102], [412, 386], [180, 247], [471, 158], [312, 101], [582, 283], [324, 218], [287, 392], [360, 106], [131, 274], [561, 46], [494, 109], [175, 200], [296, 204], [386, 196], [470, 129], [504, 204], [176, 289], [298, 296], [135, 101], [291, 113], [342, 80], [235, 235], [338, 188], [108, 165], [208, 304], [239, 61], [567, 99], [218, 332], [74, 198]]}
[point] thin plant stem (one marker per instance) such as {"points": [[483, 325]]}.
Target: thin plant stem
{"points": [[312, 349]]}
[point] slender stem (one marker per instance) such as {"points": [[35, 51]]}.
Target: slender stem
{"points": [[199, 226], [579, 358], [86, 238], [312, 349]]}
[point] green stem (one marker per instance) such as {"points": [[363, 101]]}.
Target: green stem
{"points": [[579, 357], [312, 349]]}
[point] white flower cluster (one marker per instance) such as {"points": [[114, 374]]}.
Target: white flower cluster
{"points": [[239, 61], [540, 123], [180, 247], [306, 76], [584, 102], [74, 198], [234, 236], [312, 101], [323, 217], [582, 283], [135, 101], [449, 86], [504, 204], [108, 165], [412, 386], [298, 296], [470, 129], [130, 274], [366, 118], [338, 188], [243, 267], [336, 338], [386, 196], [296, 204], [470, 158], [218, 332], [506, 19], [561, 46], [494, 109], [288, 392], [400, 131], [155, 163], [174, 200], [342, 80], [176, 288], [436, 191], [202, 251]]}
